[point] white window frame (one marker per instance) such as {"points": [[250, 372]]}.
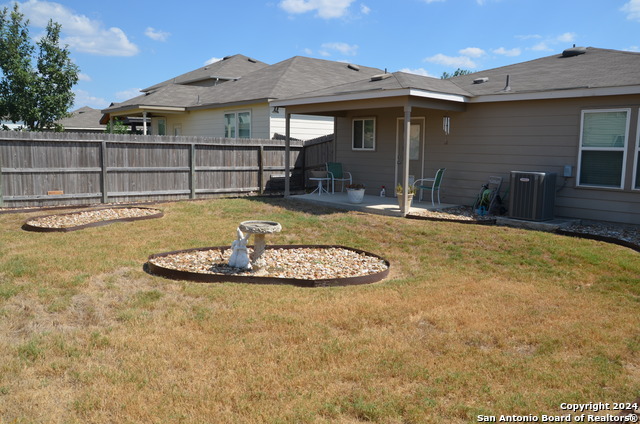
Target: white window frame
{"points": [[236, 124], [636, 157], [164, 125], [353, 127], [623, 149]]}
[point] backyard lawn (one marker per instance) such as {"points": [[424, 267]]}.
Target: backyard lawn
{"points": [[472, 321]]}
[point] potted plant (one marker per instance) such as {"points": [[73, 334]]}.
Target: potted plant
{"points": [[355, 192], [399, 192]]}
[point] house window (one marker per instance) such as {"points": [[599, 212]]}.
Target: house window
{"points": [[162, 127], [237, 125], [603, 143], [364, 134]]}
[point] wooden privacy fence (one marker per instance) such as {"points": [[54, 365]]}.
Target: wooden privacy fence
{"points": [[65, 168]]}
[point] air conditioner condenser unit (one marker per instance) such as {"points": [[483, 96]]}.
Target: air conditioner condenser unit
{"points": [[532, 195]]}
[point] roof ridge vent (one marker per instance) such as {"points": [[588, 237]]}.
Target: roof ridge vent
{"points": [[380, 77], [252, 60], [353, 67], [574, 51]]}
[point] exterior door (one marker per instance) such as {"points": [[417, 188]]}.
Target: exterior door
{"points": [[416, 150]]}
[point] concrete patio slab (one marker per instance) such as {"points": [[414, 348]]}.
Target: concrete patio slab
{"points": [[370, 204]]}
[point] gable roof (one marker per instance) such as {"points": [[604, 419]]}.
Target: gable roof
{"points": [[595, 68], [599, 71], [229, 68], [287, 78], [85, 118]]}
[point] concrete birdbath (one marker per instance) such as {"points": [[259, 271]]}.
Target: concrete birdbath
{"points": [[259, 229]]}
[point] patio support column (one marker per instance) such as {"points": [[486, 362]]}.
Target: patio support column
{"points": [[405, 160], [144, 123], [287, 153]]}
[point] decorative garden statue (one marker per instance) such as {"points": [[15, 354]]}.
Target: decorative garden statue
{"points": [[240, 256]]}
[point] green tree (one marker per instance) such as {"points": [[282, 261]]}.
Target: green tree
{"points": [[40, 95], [458, 72], [118, 127]]}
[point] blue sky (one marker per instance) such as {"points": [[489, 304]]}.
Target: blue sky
{"points": [[123, 46]]}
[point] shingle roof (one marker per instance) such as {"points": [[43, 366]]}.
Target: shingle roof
{"points": [[596, 68], [85, 118], [171, 95], [287, 78], [392, 81], [230, 67]]}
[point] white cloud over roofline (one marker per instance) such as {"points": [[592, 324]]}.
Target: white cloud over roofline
{"points": [[452, 61], [78, 31], [326, 9], [156, 34], [632, 9]]}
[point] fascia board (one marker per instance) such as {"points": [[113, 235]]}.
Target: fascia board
{"points": [[558, 94], [369, 95]]}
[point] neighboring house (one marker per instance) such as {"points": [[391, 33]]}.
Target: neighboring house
{"points": [[577, 111], [83, 120], [230, 98]]}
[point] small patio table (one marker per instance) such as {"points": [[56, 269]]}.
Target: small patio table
{"points": [[320, 187]]}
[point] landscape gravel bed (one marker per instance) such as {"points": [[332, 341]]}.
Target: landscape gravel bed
{"points": [[287, 263], [626, 235], [86, 218]]}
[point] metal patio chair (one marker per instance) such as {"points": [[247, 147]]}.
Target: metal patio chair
{"points": [[423, 184], [335, 172]]}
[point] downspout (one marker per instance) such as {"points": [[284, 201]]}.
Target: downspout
{"points": [[405, 166], [287, 154], [144, 122]]}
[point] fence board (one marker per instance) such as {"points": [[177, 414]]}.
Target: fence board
{"points": [[109, 167]]}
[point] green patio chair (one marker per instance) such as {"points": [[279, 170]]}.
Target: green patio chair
{"points": [[335, 172], [423, 184]]}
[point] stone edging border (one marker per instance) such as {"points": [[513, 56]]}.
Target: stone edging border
{"points": [[34, 228], [597, 237], [218, 278], [559, 231]]}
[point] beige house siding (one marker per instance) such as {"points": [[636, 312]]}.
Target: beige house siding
{"points": [[303, 127], [264, 123], [496, 138]]}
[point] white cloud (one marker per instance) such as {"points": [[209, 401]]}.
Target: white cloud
{"points": [[567, 37], [326, 9], [364, 9], [529, 37], [543, 46], [472, 52], [84, 77], [213, 60], [455, 62], [83, 98], [418, 71], [510, 53], [128, 94], [344, 48], [308, 51], [156, 35], [78, 31], [632, 9]]}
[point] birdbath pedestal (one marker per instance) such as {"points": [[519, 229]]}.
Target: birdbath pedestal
{"points": [[259, 229]]}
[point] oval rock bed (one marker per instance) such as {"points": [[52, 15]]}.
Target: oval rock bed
{"points": [[89, 218], [299, 265]]}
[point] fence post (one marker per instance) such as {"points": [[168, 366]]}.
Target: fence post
{"points": [[1, 197], [192, 171], [261, 169], [103, 171]]}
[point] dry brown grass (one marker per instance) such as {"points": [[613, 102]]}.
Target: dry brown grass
{"points": [[473, 320]]}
